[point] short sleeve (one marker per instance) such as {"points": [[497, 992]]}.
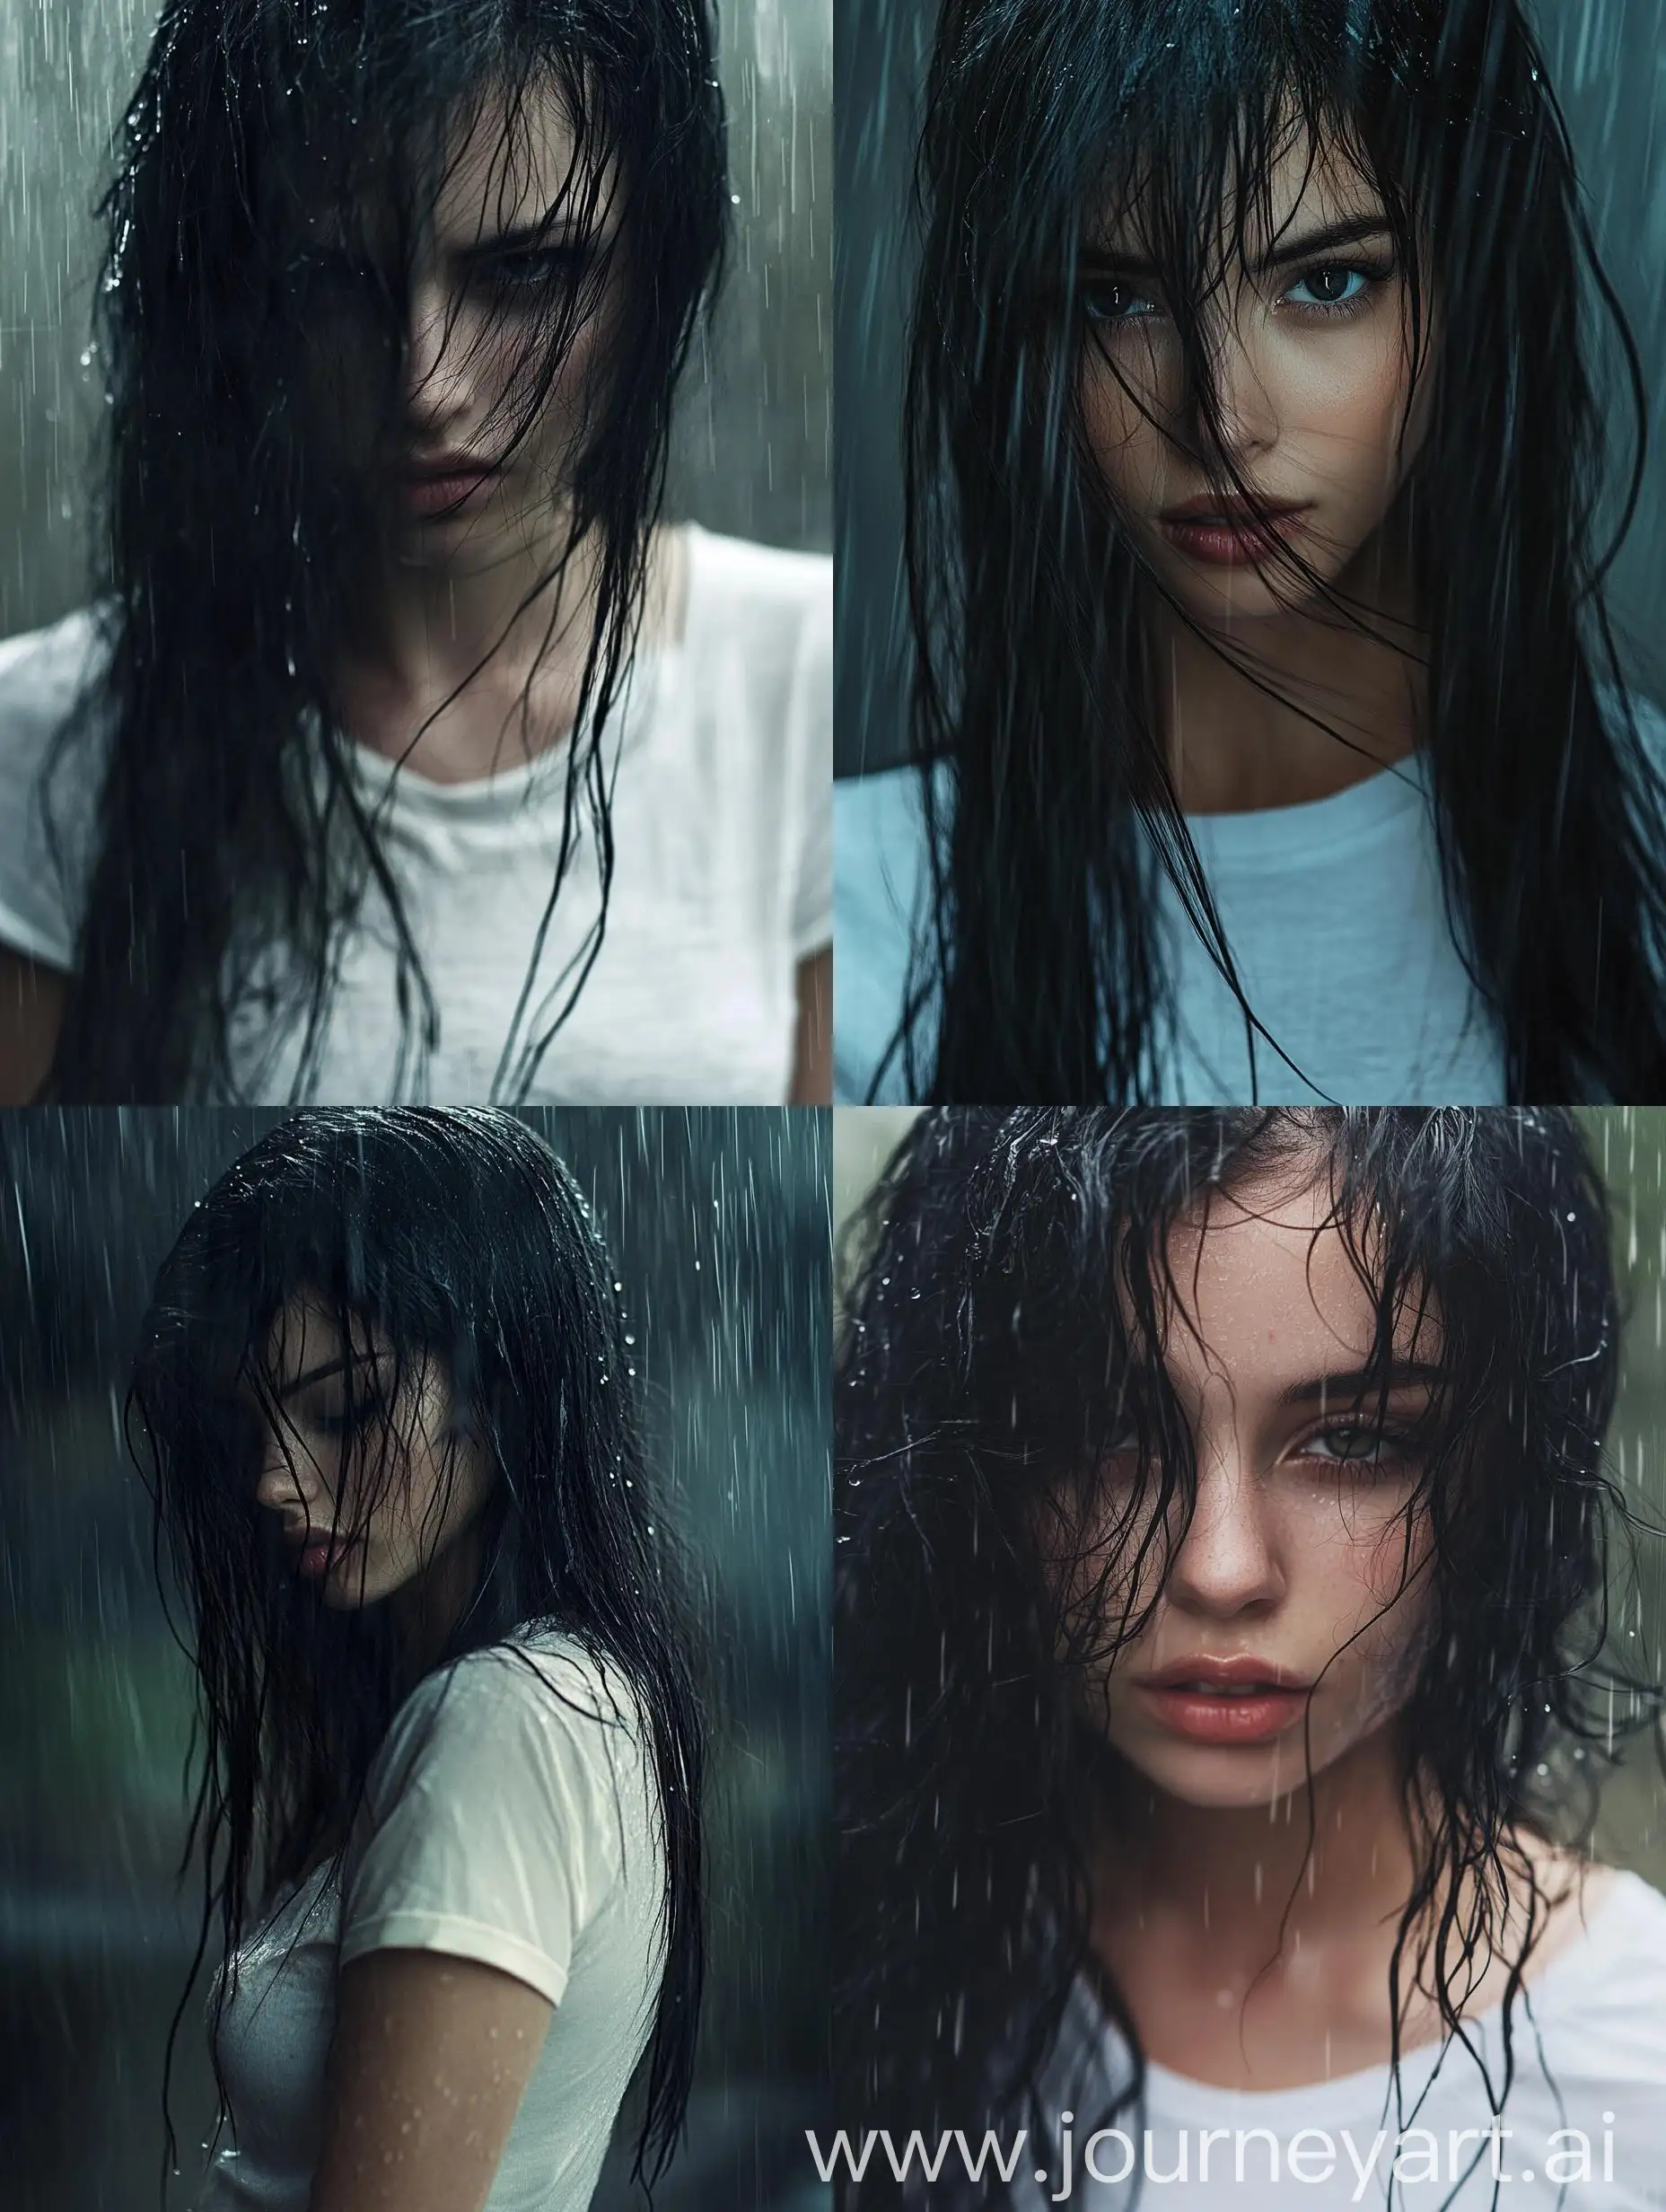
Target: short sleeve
{"points": [[491, 1827], [881, 883], [46, 793], [812, 707]]}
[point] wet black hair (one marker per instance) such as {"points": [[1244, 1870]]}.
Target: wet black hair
{"points": [[372, 1220], [1038, 970], [278, 161], [1004, 1332]]}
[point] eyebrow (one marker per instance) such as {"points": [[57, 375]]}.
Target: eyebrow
{"points": [[1101, 260], [1352, 1389], [529, 236], [328, 1368]]}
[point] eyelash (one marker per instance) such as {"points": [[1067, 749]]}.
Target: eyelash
{"points": [[538, 269], [513, 275], [1389, 1445], [364, 1411], [1374, 274]]}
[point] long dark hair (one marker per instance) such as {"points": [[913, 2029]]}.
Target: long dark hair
{"points": [[1053, 821], [1005, 1331], [277, 160], [375, 1218]]}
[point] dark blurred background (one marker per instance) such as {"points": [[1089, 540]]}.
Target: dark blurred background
{"points": [[1606, 59], [752, 453], [1629, 1144], [717, 1223]]}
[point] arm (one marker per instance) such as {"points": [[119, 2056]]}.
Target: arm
{"points": [[813, 1058], [32, 1008], [430, 2058]]}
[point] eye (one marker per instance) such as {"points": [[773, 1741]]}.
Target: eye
{"points": [[534, 271], [1335, 284], [1111, 304], [334, 1419], [1355, 1443]]}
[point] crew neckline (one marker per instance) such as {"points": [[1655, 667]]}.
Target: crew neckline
{"points": [[1189, 2099], [1274, 836], [645, 683]]}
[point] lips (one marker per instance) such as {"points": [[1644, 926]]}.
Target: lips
{"points": [[1241, 1700], [312, 1551], [434, 491], [1227, 533], [1242, 1670]]}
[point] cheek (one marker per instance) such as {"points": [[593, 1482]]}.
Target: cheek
{"points": [[1116, 407], [1342, 402], [1092, 1566], [548, 406], [1370, 1599]]}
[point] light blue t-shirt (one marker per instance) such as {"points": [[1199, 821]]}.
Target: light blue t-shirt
{"points": [[1335, 915]]}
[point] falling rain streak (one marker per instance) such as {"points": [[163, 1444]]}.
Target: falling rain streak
{"points": [[754, 452], [717, 1224]]}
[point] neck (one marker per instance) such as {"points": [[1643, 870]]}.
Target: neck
{"points": [[484, 655], [1286, 708], [500, 600], [1331, 1857], [428, 1609]]}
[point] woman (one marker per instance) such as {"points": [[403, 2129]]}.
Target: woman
{"points": [[450, 1807], [405, 753], [1270, 737], [1222, 1668]]}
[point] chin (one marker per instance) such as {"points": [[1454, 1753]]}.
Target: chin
{"points": [[1223, 1778], [1234, 1781], [1215, 596], [1221, 598], [353, 1592]]}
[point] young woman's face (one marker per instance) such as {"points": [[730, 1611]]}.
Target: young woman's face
{"points": [[1296, 1564], [1312, 348], [505, 344], [350, 1449]]}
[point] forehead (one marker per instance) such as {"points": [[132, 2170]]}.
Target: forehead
{"points": [[501, 161], [304, 1334], [510, 161], [1310, 184], [1273, 1291]]}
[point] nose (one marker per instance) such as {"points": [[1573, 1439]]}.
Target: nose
{"points": [[289, 1481], [1238, 416], [1229, 1561]]}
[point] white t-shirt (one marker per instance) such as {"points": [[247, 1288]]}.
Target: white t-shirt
{"points": [[721, 865], [508, 1818], [1334, 913], [1586, 2112]]}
